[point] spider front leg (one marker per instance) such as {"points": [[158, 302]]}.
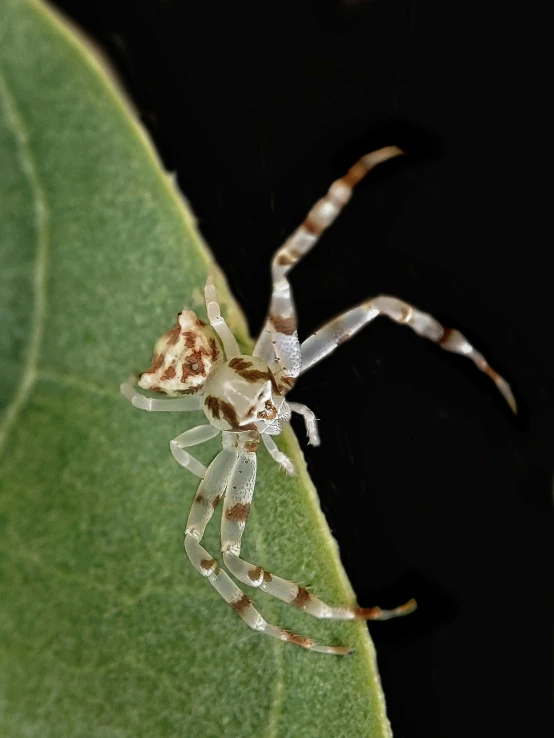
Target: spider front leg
{"points": [[278, 340], [235, 514], [325, 340], [309, 419], [192, 437], [235, 469]]}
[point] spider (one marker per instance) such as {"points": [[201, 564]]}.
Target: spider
{"points": [[244, 399]]}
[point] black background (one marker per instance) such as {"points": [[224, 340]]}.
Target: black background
{"points": [[431, 486]]}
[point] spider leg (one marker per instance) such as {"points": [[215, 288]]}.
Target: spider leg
{"points": [[278, 456], [226, 467], [230, 345], [340, 329], [235, 514], [138, 400], [191, 437], [279, 339], [309, 419]]}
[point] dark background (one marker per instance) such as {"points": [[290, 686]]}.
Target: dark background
{"points": [[431, 486]]}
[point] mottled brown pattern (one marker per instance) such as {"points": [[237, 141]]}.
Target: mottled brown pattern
{"points": [[297, 639], [251, 446], [212, 403], [215, 501], [169, 373], [302, 598], [157, 361], [283, 325], [229, 413], [199, 498], [190, 339], [267, 577], [238, 513], [241, 604]]}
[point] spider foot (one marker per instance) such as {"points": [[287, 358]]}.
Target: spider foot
{"points": [[376, 613]]}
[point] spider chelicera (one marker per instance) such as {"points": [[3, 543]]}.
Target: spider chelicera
{"points": [[244, 399]]}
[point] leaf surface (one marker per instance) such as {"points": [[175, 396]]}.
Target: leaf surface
{"points": [[105, 629]]}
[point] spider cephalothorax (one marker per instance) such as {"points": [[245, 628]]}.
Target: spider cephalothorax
{"points": [[243, 397], [242, 394]]}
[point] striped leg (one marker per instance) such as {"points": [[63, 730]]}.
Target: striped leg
{"points": [[217, 321], [238, 498], [279, 339], [235, 514], [326, 339], [192, 437]]}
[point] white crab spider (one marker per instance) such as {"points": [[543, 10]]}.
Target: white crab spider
{"points": [[243, 398]]}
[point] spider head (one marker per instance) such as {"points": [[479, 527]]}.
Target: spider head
{"points": [[183, 357], [242, 394]]}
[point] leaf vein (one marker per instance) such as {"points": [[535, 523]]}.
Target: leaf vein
{"points": [[28, 377]]}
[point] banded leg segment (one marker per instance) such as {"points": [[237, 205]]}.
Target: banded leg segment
{"points": [[279, 339], [237, 506], [325, 340], [227, 470]]}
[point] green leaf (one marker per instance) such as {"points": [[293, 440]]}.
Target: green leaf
{"points": [[105, 629]]}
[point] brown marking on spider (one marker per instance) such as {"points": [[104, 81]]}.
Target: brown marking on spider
{"points": [[190, 339], [199, 498], [269, 412], [354, 175], [241, 604], [172, 336], [489, 371], [447, 334], [367, 613], [157, 361], [212, 403], [267, 577], [214, 349], [297, 639], [313, 226], [239, 364], [238, 513], [210, 565], [285, 259], [229, 413], [251, 446], [302, 598], [169, 373], [287, 326], [255, 574], [215, 501]]}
